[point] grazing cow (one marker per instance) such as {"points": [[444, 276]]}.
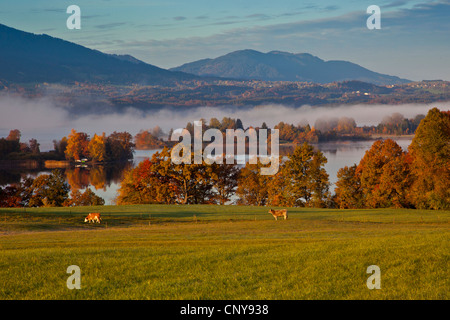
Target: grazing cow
{"points": [[278, 213], [94, 217]]}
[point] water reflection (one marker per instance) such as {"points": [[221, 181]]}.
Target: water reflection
{"points": [[99, 177], [105, 180]]}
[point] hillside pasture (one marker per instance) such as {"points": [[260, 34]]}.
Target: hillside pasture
{"points": [[223, 252]]}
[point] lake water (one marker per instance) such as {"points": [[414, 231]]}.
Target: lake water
{"points": [[105, 181], [343, 154]]}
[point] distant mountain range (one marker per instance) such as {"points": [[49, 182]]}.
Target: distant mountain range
{"points": [[31, 58], [27, 57], [284, 66]]}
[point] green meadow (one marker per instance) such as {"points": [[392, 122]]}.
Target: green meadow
{"points": [[223, 252]]}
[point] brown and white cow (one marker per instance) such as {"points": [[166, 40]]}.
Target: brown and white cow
{"points": [[94, 217], [279, 213]]}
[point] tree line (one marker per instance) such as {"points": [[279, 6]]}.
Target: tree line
{"points": [[323, 129], [301, 181], [386, 176], [11, 145], [118, 146]]}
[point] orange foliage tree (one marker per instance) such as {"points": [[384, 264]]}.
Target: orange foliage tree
{"points": [[252, 187], [77, 145], [97, 148], [300, 181], [430, 157], [149, 182], [305, 178], [384, 175], [159, 180], [348, 189]]}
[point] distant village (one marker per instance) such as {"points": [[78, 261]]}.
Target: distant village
{"points": [[194, 93]]}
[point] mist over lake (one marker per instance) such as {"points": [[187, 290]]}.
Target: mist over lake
{"points": [[42, 119]]}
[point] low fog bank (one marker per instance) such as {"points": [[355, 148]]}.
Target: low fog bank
{"points": [[43, 120]]}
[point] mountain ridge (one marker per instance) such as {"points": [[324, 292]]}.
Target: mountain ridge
{"points": [[275, 65], [32, 58], [27, 57]]}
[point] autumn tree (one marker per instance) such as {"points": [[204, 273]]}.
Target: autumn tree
{"points": [[119, 146], [398, 124], [14, 135], [49, 190], [300, 181], [97, 148], [430, 157], [158, 132], [77, 145], [326, 124], [150, 182], [278, 192], [214, 123], [26, 191], [224, 180], [287, 132], [145, 140], [8, 146], [384, 175], [159, 180], [34, 146], [305, 177], [87, 198], [10, 197], [60, 147], [194, 185], [227, 123], [252, 188], [348, 189], [346, 125]]}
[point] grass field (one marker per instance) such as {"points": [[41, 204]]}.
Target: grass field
{"points": [[223, 252]]}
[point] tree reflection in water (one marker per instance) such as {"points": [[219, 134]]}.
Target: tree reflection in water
{"points": [[98, 177]]}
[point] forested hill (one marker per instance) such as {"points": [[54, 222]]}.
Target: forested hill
{"points": [[284, 66], [28, 58]]}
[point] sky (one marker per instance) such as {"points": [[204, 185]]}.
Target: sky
{"points": [[413, 42]]}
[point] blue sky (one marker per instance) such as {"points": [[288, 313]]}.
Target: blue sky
{"points": [[413, 43]]}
